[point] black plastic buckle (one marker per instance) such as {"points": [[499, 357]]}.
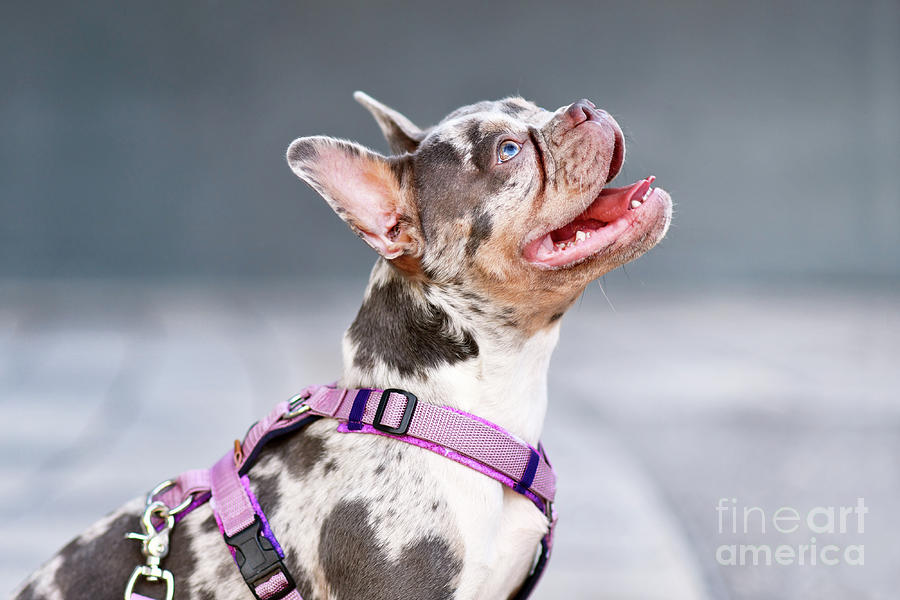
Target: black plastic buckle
{"points": [[257, 559], [411, 401]]}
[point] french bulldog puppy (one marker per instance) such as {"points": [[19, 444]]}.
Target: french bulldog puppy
{"points": [[488, 225]]}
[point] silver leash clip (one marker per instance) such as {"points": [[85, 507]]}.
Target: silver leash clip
{"points": [[154, 544]]}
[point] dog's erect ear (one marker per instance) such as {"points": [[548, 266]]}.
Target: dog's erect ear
{"points": [[364, 188], [401, 134]]}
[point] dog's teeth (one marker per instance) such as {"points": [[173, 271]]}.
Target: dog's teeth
{"points": [[647, 194], [580, 236], [588, 234], [635, 203]]}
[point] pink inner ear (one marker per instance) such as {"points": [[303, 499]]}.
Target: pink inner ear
{"points": [[366, 190]]}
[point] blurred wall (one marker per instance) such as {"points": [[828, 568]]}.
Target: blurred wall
{"points": [[143, 140]]}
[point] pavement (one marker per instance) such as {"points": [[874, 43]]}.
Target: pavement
{"points": [[666, 402]]}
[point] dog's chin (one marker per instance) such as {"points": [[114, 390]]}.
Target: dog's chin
{"points": [[618, 226]]}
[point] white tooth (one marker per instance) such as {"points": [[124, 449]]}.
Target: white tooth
{"points": [[580, 236], [647, 194], [635, 203], [589, 234]]}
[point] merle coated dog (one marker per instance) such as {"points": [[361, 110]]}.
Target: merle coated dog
{"points": [[489, 225]]}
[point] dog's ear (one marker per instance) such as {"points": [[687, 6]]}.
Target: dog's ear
{"points": [[401, 134], [365, 189]]}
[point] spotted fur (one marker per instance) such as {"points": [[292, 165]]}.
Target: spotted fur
{"points": [[453, 313]]}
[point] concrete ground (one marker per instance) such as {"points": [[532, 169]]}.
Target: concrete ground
{"points": [[660, 407]]}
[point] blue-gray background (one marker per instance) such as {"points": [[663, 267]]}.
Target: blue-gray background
{"points": [[164, 278], [147, 139]]}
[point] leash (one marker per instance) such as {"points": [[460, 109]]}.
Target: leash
{"points": [[460, 436]]}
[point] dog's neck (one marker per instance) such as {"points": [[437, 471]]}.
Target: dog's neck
{"points": [[427, 339]]}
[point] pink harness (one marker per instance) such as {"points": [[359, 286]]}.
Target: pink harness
{"points": [[457, 435]]}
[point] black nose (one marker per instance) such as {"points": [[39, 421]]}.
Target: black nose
{"points": [[581, 111]]}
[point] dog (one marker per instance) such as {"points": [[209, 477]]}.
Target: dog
{"points": [[488, 226]]}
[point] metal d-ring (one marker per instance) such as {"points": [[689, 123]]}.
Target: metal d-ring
{"points": [[163, 486]]}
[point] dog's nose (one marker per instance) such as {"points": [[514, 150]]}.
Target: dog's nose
{"points": [[578, 112], [581, 111]]}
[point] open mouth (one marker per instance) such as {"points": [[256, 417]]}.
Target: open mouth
{"points": [[604, 221]]}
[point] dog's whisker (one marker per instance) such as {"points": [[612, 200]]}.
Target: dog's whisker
{"points": [[602, 289]]}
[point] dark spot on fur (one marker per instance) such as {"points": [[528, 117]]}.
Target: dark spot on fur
{"points": [[396, 329], [434, 506], [511, 108], [330, 466], [440, 153], [473, 133], [484, 156], [223, 571], [379, 469], [357, 566], [209, 525], [556, 317], [481, 230], [446, 190], [98, 569], [400, 167], [430, 273], [268, 489], [87, 567], [299, 453]]}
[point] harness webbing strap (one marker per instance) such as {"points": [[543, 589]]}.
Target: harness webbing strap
{"points": [[230, 501], [455, 434], [354, 419], [530, 470], [275, 585], [248, 535], [447, 427]]}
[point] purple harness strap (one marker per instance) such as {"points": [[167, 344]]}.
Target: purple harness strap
{"points": [[457, 435]]}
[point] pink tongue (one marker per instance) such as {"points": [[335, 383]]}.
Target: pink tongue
{"points": [[613, 202]]}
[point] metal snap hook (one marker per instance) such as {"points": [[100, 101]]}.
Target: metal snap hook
{"points": [[151, 573]]}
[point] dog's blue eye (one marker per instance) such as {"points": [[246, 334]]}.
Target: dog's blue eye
{"points": [[507, 150]]}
